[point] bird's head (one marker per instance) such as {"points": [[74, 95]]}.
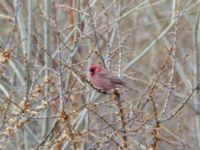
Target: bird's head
{"points": [[94, 69]]}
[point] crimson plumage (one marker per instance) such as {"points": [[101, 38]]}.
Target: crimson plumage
{"points": [[104, 80]]}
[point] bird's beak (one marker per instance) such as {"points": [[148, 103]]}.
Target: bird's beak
{"points": [[91, 74]]}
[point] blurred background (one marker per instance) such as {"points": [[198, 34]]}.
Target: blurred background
{"points": [[46, 48]]}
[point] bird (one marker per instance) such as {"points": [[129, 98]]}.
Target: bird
{"points": [[104, 80]]}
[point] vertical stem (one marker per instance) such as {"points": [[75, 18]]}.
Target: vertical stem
{"points": [[117, 99], [61, 94], [175, 13], [118, 13], [70, 18], [93, 26], [21, 24], [197, 95], [47, 45], [30, 10]]}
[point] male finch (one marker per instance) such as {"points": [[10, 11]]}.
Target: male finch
{"points": [[103, 79]]}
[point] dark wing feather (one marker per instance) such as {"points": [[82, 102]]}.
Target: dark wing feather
{"points": [[114, 79], [117, 80]]}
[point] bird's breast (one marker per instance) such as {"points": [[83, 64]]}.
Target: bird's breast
{"points": [[102, 83]]}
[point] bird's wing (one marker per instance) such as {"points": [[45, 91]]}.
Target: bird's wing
{"points": [[108, 75], [116, 80]]}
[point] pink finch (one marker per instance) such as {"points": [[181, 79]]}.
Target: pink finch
{"points": [[103, 79]]}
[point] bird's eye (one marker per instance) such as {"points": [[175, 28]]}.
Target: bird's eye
{"points": [[92, 71]]}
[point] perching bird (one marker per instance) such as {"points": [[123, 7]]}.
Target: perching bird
{"points": [[103, 79]]}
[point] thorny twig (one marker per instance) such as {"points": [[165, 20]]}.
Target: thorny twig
{"points": [[117, 100], [181, 105], [95, 34]]}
